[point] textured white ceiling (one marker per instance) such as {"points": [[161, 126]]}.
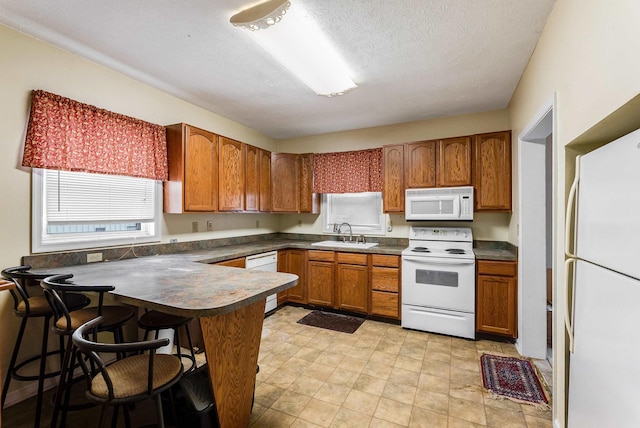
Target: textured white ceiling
{"points": [[412, 59]]}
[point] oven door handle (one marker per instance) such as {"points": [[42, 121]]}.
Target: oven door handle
{"points": [[439, 261]]}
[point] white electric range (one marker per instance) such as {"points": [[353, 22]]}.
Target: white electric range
{"points": [[439, 281]]}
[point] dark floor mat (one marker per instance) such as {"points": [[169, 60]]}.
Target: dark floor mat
{"points": [[330, 321]]}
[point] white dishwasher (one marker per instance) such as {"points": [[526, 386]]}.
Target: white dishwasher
{"points": [[267, 262]]}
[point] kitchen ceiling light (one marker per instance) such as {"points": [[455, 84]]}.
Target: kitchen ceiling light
{"points": [[298, 44]]}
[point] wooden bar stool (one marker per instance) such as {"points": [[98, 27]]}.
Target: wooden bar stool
{"points": [[156, 321], [26, 307], [67, 321]]}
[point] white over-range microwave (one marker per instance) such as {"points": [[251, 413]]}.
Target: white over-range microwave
{"points": [[439, 203]]}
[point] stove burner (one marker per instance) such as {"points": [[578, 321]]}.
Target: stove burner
{"points": [[421, 250], [455, 251]]}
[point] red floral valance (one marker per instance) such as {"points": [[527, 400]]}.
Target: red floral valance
{"points": [[348, 172], [68, 135]]}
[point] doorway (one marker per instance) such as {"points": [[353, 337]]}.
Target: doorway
{"points": [[535, 237]]}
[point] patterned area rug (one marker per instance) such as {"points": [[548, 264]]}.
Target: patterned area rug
{"points": [[335, 322], [513, 378]]}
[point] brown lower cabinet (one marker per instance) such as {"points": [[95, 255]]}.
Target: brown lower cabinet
{"points": [[239, 263], [321, 271], [293, 261], [352, 280], [497, 298], [385, 285], [355, 282]]}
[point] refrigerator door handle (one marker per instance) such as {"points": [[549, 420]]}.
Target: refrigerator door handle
{"points": [[568, 223], [569, 282]]}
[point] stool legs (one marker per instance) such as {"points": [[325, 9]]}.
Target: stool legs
{"points": [[14, 357], [13, 367]]}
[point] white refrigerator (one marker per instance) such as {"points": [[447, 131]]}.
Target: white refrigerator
{"points": [[603, 279]]}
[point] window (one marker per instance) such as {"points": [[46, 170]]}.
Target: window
{"points": [[363, 211], [74, 210]]}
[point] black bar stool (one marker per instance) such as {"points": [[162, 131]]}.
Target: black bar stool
{"points": [[156, 321], [141, 376], [67, 321], [26, 307]]}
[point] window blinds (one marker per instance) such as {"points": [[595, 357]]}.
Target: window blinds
{"points": [[76, 197]]}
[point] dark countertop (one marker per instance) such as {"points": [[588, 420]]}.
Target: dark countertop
{"points": [[178, 284], [495, 250]]}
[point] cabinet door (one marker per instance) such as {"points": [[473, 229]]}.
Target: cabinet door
{"points": [[285, 182], [296, 265], [454, 162], [352, 285], [497, 304], [321, 283], [252, 178], [283, 266], [239, 263], [265, 181], [420, 164], [309, 201], [200, 170], [393, 178], [231, 176], [492, 171]]}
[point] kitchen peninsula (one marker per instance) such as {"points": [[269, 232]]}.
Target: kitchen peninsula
{"points": [[228, 301]]}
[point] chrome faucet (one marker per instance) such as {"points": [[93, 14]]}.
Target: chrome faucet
{"points": [[339, 230]]}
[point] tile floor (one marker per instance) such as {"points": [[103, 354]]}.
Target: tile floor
{"points": [[379, 376]]}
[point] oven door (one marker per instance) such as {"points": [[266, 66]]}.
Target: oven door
{"points": [[439, 283]]}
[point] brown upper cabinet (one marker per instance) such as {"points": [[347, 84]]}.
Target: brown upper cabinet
{"points": [[285, 182], [454, 162], [309, 201], [193, 170], [393, 178], [492, 171], [231, 158], [420, 164], [438, 163], [265, 180], [291, 183], [252, 178]]}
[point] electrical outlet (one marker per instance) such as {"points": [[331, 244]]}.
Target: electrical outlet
{"points": [[299, 223], [194, 226], [209, 225], [257, 223], [94, 257]]}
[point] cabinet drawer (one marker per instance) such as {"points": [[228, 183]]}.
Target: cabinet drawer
{"points": [[352, 258], [384, 304], [385, 279], [490, 267], [382, 260], [321, 256]]}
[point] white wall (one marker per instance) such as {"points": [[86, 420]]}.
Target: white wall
{"points": [[588, 56]]}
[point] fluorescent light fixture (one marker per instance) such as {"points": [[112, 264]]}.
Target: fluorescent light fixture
{"points": [[298, 44]]}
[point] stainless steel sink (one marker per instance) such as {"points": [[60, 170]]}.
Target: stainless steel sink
{"points": [[340, 244]]}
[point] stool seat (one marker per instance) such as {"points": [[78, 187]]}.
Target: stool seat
{"points": [[156, 321], [152, 320], [39, 306], [113, 316], [129, 376]]}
